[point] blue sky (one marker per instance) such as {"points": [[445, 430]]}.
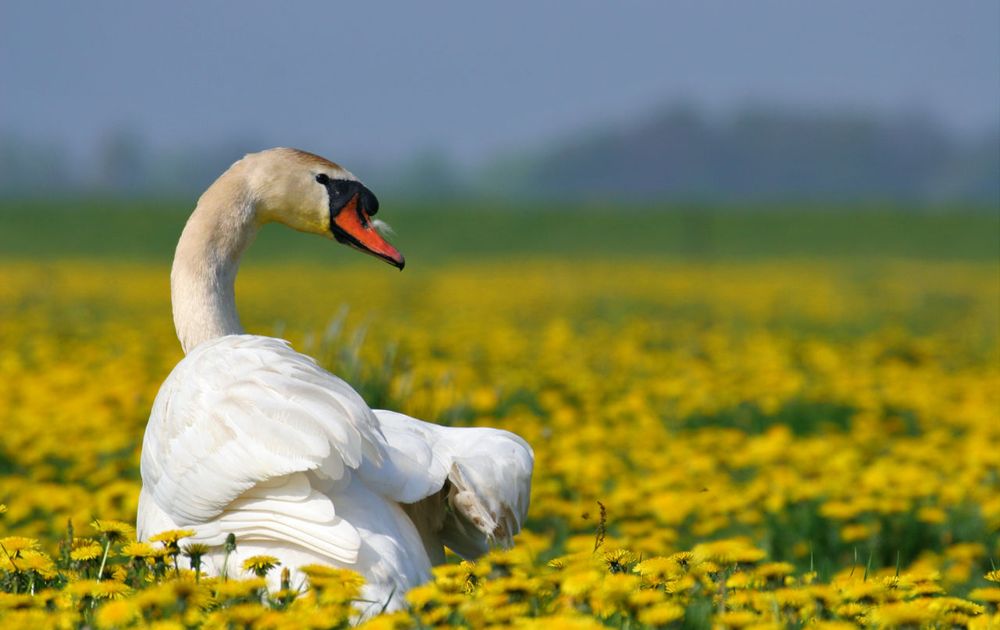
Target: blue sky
{"points": [[380, 80]]}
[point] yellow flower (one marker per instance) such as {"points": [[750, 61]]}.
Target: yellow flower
{"points": [[989, 594], [113, 530], [238, 589], [138, 550], [16, 544], [580, 583], [170, 537], [895, 614], [619, 560], [932, 514], [195, 549], [85, 549], [560, 621], [38, 562], [661, 614], [399, 620], [421, 596], [116, 614], [736, 619], [106, 589], [260, 565], [770, 570]]}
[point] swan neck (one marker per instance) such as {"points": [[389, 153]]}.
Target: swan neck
{"points": [[203, 277]]}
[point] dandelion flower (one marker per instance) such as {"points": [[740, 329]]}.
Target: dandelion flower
{"points": [[86, 552], [260, 565], [990, 594], [116, 614], [170, 537], [661, 614], [16, 544], [113, 530], [238, 589], [38, 562], [138, 550]]}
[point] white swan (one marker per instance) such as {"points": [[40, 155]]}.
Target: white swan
{"points": [[247, 436]]}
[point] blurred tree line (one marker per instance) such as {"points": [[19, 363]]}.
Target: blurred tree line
{"points": [[678, 153], [764, 154]]}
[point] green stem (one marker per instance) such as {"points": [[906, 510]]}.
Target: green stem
{"points": [[104, 559]]}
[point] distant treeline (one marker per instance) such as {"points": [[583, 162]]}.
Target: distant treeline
{"points": [[677, 154], [761, 155]]}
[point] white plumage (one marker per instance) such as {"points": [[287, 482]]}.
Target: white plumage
{"points": [[248, 436]]}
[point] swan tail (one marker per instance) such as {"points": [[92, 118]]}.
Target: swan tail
{"points": [[478, 484]]}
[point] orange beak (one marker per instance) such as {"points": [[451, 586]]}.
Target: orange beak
{"points": [[352, 226]]}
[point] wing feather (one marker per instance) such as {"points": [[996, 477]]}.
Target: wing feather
{"points": [[242, 410], [483, 474]]}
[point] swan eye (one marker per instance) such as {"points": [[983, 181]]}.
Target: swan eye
{"points": [[323, 178]]}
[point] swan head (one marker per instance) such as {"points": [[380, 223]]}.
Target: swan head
{"points": [[312, 194]]}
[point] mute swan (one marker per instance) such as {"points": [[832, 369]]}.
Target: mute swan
{"points": [[247, 436]]}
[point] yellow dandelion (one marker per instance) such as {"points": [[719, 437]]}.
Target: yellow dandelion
{"points": [[645, 597], [618, 560], [932, 514], [399, 620], [119, 574], [736, 619], [990, 594], [909, 613], [85, 550], [242, 615], [113, 530], [116, 588], [993, 576], [659, 568], [170, 537], [116, 614], [661, 614], [238, 589], [195, 549], [14, 545], [260, 565], [579, 584], [160, 552], [98, 590], [560, 621], [421, 596], [854, 532], [771, 570], [138, 550], [38, 562]]}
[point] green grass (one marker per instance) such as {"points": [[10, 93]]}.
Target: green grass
{"points": [[148, 230]]}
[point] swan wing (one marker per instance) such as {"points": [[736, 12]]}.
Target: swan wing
{"points": [[237, 419], [469, 486]]}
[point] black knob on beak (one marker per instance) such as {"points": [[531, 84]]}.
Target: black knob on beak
{"points": [[368, 201]]}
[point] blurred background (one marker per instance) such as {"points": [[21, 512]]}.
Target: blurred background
{"points": [[688, 106]]}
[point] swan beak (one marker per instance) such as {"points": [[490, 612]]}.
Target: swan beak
{"points": [[353, 226]]}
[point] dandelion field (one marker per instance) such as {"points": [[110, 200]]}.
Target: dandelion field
{"points": [[724, 437]]}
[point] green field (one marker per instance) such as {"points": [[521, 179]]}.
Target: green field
{"points": [[148, 230], [775, 416]]}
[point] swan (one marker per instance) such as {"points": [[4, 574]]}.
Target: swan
{"points": [[249, 437]]}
